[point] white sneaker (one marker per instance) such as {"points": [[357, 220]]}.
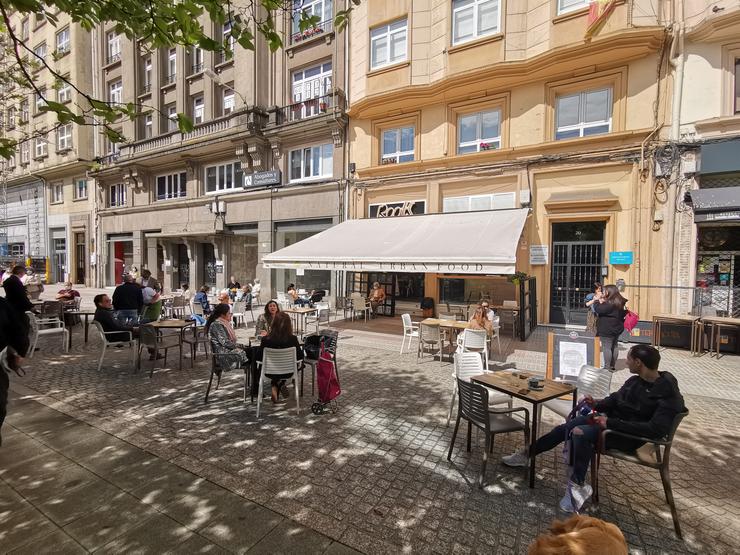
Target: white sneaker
{"points": [[575, 497], [516, 459]]}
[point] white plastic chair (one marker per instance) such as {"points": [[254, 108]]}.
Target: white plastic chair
{"points": [[360, 304], [131, 342], [591, 381], [410, 330], [475, 341], [238, 311], [468, 365], [323, 310], [283, 300], [51, 326], [429, 336], [278, 362], [196, 308]]}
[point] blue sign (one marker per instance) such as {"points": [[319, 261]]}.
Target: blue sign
{"points": [[621, 257]]}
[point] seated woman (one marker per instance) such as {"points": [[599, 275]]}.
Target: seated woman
{"points": [[224, 298], [377, 296], [264, 321], [201, 298], [187, 293], [223, 339], [292, 293], [245, 294], [479, 321], [280, 337]]}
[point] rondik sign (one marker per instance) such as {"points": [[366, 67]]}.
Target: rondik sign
{"points": [[394, 209]]}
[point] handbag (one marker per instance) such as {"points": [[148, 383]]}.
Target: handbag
{"points": [[630, 320]]}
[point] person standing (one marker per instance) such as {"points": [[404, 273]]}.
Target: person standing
{"points": [[148, 281], [15, 291], [152, 305], [610, 324], [127, 300], [14, 344], [233, 286], [592, 299]]}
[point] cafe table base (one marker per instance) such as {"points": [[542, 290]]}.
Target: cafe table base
{"points": [[515, 384]]}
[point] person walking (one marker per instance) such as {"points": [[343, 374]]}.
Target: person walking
{"points": [[610, 324], [14, 345], [592, 299], [147, 280], [15, 291], [128, 301]]}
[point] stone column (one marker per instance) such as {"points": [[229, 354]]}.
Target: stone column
{"points": [[264, 246]]}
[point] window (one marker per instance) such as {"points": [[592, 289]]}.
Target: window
{"points": [[565, 6], [41, 147], [117, 195], [63, 41], [11, 118], [171, 65], [171, 186], [224, 177], [312, 162], [115, 92], [196, 59], [148, 126], [312, 82], [398, 145], [111, 147], [320, 8], [40, 51], [57, 193], [80, 189], [228, 42], [17, 250], [496, 201], [11, 162], [114, 47], [737, 86], [388, 44], [25, 29], [227, 102], [64, 137], [479, 131], [147, 74], [582, 114], [64, 92], [24, 111], [198, 109], [40, 100], [171, 112], [474, 18], [25, 153]]}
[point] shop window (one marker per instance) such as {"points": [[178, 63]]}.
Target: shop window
{"points": [[479, 131], [17, 250], [314, 162], [289, 233], [117, 195], [583, 113], [224, 178], [171, 186], [495, 201], [472, 19], [398, 145], [567, 6], [388, 44], [80, 189]]}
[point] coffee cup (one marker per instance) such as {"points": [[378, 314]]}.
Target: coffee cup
{"points": [[534, 383]]}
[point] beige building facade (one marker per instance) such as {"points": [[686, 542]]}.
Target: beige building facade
{"points": [[486, 105], [262, 168]]}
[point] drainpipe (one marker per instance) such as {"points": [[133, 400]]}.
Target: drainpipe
{"points": [[97, 234], [677, 63]]}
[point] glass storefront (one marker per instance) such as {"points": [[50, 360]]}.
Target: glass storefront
{"points": [[289, 233], [471, 289], [243, 257]]}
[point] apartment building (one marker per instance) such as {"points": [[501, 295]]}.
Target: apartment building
{"points": [[47, 209], [533, 109], [263, 167], [707, 171]]}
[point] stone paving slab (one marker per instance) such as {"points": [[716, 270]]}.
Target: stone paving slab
{"points": [[374, 475]]}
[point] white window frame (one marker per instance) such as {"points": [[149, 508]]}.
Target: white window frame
{"points": [[64, 46], [11, 162], [111, 147], [583, 125], [115, 92], [64, 137], [199, 109], [39, 100], [40, 50], [25, 29], [230, 172], [24, 111], [567, 6], [148, 126], [57, 193], [79, 192], [227, 40], [40, 147], [113, 48], [174, 185], [197, 62], [25, 152], [395, 156], [388, 32], [11, 117], [117, 195], [171, 65], [313, 86], [147, 76], [322, 8], [227, 101], [64, 92], [171, 118], [493, 142], [475, 7], [306, 159], [497, 201]]}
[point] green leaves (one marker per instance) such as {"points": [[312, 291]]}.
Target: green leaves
{"points": [[64, 114], [184, 123], [7, 147]]}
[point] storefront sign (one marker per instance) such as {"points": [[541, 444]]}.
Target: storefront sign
{"points": [[393, 209], [621, 257], [262, 179], [732, 216], [538, 255], [411, 267]]}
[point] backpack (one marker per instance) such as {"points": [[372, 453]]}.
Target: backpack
{"points": [[630, 320]]}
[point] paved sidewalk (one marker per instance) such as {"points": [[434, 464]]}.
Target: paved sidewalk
{"points": [[67, 487]]}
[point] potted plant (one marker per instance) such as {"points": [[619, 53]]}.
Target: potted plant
{"points": [[485, 146], [517, 277]]}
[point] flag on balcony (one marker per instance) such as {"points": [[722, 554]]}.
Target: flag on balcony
{"points": [[598, 12]]}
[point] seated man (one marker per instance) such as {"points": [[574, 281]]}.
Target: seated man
{"points": [[644, 406], [68, 294], [104, 315], [377, 296]]}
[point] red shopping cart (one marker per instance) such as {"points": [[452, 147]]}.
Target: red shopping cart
{"points": [[327, 382]]}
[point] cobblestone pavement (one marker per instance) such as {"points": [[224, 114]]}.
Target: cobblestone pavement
{"points": [[375, 475]]}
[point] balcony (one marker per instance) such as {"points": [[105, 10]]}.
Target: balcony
{"points": [[169, 79], [196, 68], [109, 159], [112, 59], [146, 88], [321, 29], [329, 103]]}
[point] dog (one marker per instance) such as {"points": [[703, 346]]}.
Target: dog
{"points": [[580, 535]]}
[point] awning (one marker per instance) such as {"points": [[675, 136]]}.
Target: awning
{"points": [[720, 204], [467, 243]]}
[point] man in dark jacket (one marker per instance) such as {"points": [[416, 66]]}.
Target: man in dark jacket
{"points": [[645, 406], [104, 315], [15, 291], [128, 300], [14, 344]]}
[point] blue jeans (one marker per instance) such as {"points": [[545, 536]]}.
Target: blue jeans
{"points": [[127, 317]]}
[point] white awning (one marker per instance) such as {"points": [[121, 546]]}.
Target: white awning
{"points": [[463, 242]]}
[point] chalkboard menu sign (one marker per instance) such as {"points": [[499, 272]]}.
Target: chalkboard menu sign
{"points": [[568, 351]]}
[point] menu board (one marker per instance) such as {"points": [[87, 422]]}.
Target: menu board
{"points": [[568, 351]]}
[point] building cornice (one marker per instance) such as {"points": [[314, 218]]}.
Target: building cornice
{"points": [[716, 27], [629, 44], [726, 125]]}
